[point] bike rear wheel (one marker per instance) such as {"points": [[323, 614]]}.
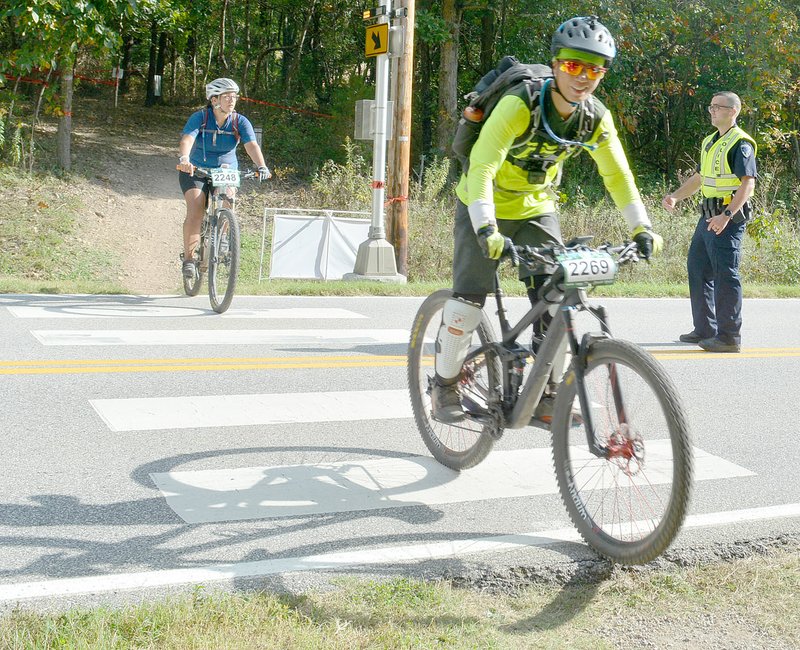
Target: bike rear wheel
{"points": [[465, 444], [223, 266], [627, 507]]}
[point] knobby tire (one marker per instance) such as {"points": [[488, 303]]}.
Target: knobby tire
{"points": [[627, 511], [464, 444], [223, 267]]}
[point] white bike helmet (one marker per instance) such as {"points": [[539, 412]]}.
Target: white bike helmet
{"points": [[219, 86]]}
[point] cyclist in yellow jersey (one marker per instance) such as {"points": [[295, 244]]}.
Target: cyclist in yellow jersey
{"points": [[506, 193]]}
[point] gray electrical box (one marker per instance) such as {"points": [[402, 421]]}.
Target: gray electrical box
{"points": [[365, 119], [397, 42]]}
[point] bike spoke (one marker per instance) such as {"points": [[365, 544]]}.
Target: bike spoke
{"points": [[628, 504], [225, 261], [465, 443]]}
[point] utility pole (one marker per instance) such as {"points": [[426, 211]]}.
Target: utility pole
{"points": [[375, 259], [400, 148]]}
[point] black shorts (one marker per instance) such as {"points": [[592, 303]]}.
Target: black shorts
{"points": [[188, 182], [473, 272]]}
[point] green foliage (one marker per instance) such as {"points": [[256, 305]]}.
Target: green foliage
{"points": [[344, 186], [431, 210], [672, 58], [11, 143], [15, 148], [431, 28]]}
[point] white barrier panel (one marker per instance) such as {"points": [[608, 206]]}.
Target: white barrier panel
{"points": [[315, 245]]}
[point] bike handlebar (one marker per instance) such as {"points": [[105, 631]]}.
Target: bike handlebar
{"points": [[202, 172], [532, 256]]}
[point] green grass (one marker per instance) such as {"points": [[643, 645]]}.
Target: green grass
{"points": [[42, 249], [10, 284], [746, 603]]}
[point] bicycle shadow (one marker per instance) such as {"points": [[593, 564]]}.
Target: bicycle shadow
{"points": [[76, 556], [576, 594], [146, 534]]}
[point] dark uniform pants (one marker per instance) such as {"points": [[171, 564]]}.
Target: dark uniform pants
{"points": [[715, 287]]}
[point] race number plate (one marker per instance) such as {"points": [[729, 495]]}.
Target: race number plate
{"points": [[222, 177], [586, 267]]}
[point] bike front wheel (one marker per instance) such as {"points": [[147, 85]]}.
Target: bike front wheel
{"points": [[629, 505], [223, 267], [466, 443]]}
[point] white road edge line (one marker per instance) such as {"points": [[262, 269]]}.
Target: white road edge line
{"points": [[390, 555]]}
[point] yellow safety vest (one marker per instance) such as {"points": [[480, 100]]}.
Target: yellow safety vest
{"points": [[718, 178]]}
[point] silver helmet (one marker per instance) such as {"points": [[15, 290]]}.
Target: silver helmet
{"points": [[585, 34]]}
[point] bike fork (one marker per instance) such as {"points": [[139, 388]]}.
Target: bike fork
{"points": [[212, 240], [579, 358]]}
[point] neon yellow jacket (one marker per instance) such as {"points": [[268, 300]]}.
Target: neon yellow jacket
{"points": [[493, 180]]}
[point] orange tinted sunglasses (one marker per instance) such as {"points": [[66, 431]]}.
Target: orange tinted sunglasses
{"points": [[574, 68]]}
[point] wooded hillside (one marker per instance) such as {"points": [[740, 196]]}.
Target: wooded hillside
{"points": [[302, 66]]}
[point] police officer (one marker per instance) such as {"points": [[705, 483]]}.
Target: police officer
{"points": [[506, 192], [727, 177]]}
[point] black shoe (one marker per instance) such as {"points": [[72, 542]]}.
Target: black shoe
{"points": [[691, 337], [189, 269], [716, 345], [446, 403]]}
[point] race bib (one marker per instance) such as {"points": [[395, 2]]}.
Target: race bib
{"points": [[222, 177], [587, 267]]}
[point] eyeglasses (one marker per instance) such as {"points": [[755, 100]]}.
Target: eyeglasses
{"points": [[232, 96], [574, 68], [716, 107]]}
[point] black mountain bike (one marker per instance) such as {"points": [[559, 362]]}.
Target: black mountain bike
{"points": [[619, 435], [219, 249]]}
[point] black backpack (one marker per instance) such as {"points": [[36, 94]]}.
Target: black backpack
{"points": [[508, 74]]}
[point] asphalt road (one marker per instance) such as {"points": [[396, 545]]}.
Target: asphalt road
{"points": [[150, 445]]}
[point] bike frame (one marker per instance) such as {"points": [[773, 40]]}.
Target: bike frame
{"points": [[548, 362], [217, 201]]}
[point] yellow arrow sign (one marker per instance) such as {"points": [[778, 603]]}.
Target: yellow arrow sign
{"points": [[377, 39]]}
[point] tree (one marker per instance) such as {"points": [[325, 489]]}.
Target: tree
{"points": [[49, 36]]}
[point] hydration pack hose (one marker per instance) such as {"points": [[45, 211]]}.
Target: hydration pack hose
{"points": [[559, 140]]}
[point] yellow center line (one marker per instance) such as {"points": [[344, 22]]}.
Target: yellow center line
{"points": [[97, 362], [87, 366], [747, 353]]}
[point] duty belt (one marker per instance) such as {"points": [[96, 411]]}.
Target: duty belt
{"points": [[712, 206]]}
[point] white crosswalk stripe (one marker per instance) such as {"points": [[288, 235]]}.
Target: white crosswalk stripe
{"points": [[371, 467], [323, 488], [303, 337], [165, 311], [141, 414]]}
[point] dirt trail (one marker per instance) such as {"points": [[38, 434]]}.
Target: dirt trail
{"points": [[135, 205]]}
